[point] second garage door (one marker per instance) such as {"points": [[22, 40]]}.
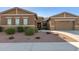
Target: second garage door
{"points": [[64, 25]]}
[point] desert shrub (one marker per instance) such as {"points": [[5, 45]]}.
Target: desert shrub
{"points": [[1, 29], [20, 29], [36, 30], [29, 31], [25, 28], [10, 31]]}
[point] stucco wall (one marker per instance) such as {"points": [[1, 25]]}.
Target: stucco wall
{"points": [[31, 19], [65, 24]]}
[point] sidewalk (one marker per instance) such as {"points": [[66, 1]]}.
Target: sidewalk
{"points": [[39, 46]]}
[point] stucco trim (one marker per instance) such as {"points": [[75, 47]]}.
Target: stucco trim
{"points": [[17, 14], [64, 17], [76, 25], [17, 25]]}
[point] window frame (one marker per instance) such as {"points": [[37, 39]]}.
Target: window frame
{"points": [[24, 20], [17, 20], [9, 20]]}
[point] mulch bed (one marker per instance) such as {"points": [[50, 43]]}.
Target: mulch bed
{"points": [[37, 37]]}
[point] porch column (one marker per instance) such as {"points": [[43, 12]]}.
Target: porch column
{"points": [[13, 20], [0, 19], [21, 20]]}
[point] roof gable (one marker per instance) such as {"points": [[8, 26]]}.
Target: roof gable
{"points": [[65, 14], [17, 10]]}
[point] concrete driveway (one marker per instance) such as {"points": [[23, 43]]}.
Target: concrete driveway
{"points": [[39, 46]]}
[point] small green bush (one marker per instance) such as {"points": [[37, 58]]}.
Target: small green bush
{"points": [[1, 29], [36, 30], [29, 31], [10, 31], [25, 28], [20, 29]]}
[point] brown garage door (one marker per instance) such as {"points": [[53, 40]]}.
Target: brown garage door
{"points": [[64, 25]]}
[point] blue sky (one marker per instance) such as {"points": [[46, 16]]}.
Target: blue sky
{"points": [[48, 11]]}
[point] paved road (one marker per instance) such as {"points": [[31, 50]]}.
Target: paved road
{"points": [[40, 46]]}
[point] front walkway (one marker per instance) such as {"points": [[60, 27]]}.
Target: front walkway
{"points": [[73, 34]]}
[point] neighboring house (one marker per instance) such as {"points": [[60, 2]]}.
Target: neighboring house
{"points": [[18, 17], [63, 21]]}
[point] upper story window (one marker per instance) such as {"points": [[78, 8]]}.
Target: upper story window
{"points": [[25, 20], [17, 20]]}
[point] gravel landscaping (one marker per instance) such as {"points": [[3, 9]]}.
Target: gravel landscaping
{"points": [[37, 37]]}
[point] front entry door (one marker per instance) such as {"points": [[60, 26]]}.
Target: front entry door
{"points": [[39, 26]]}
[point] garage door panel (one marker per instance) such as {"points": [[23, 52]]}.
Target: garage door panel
{"points": [[64, 25]]}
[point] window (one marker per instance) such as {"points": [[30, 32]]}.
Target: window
{"points": [[9, 21], [17, 21], [25, 21]]}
